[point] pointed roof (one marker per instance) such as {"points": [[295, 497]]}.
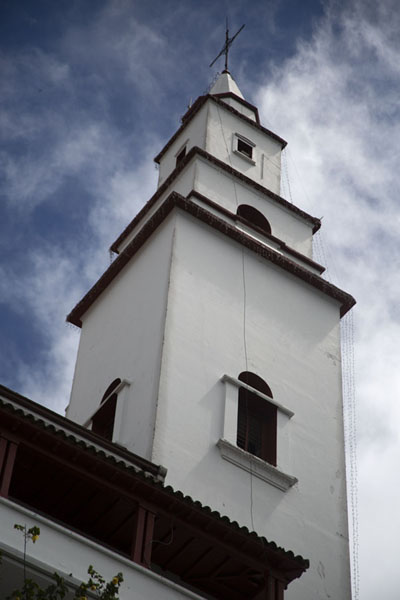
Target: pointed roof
{"points": [[225, 84]]}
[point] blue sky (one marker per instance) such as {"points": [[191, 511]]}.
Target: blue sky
{"points": [[90, 93]]}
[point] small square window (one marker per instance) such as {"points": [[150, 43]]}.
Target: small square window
{"points": [[244, 148]]}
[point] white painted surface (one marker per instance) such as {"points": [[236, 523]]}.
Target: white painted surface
{"points": [[241, 108], [122, 337], [229, 192], [191, 306], [225, 83], [212, 129], [194, 134], [222, 125], [194, 276], [255, 466], [66, 552], [183, 185], [292, 339]]}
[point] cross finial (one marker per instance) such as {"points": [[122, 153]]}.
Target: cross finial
{"points": [[226, 46]]}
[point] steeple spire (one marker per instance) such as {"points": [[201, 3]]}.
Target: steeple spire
{"points": [[226, 84]]}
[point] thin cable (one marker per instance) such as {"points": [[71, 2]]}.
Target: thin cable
{"points": [[320, 254], [285, 171], [349, 403], [244, 311], [227, 154], [350, 420], [247, 368]]}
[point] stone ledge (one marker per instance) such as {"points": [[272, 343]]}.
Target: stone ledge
{"points": [[256, 466]]}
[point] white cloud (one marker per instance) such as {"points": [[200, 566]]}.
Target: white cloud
{"points": [[334, 102], [45, 292], [59, 136]]}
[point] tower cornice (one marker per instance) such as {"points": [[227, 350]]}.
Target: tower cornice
{"points": [[281, 244], [196, 151], [241, 101], [175, 200], [201, 100]]}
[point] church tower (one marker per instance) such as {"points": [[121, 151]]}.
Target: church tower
{"points": [[211, 345]]}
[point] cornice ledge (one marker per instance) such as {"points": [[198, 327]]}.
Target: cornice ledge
{"points": [[256, 466]]}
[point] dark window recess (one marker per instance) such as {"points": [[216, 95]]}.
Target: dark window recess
{"points": [[103, 420], [257, 420], [181, 155], [244, 148], [254, 216]]}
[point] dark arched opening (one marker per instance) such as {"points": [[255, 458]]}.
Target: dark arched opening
{"points": [[254, 216], [257, 419], [103, 420]]}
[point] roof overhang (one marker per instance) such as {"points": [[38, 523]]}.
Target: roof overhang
{"points": [[194, 109], [131, 512], [175, 200], [242, 101], [314, 222]]}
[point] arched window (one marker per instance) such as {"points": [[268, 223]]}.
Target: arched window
{"points": [[103, 420], [257, 419], [254, 216]]}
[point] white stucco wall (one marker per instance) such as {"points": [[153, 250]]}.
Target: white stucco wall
{"points": [[122, 337], [187, 309], [229, 192], [292, 340], [213, 129], [244, 110], [221, 127], [194, 134], [183, 185]]}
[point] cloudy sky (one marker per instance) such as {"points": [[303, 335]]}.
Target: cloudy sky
{"points": [[90, 92]]}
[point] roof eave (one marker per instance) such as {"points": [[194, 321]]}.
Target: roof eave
{"points": [[188, 116], [314, 221], [176, 200]]}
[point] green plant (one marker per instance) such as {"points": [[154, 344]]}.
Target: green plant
{"points": [[96, 586]]}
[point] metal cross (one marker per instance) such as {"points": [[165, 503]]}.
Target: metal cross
{"points": [[227, 45]]}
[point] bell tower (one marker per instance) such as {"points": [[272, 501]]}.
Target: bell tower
{"points": [[211, 345]]}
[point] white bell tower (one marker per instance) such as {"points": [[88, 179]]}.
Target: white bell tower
{"points": [[211, 345]]}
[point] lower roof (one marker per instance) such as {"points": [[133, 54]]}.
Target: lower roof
{"points": [[75, 484]]}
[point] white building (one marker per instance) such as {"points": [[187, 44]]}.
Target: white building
{"points": [[211, 346]]}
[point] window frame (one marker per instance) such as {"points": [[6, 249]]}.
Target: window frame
{"points": [[181, 153], [230, 451], [241, 139], [257, 426], [254, 218], [103, 419], [120, 391]]}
